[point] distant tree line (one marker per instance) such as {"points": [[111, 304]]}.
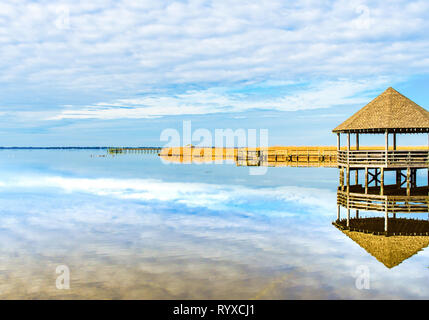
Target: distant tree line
{"points": [[68, 148]]}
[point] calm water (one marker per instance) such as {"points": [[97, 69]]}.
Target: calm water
{"points": [[131, 227]]}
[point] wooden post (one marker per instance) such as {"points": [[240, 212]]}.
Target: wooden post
{"points": [[348, 190], [357, 141], [382, 181], [357, 214], [386, 145], [408, 182], [338, 142], [348, 215], [398, 178], [413, 178], [366, 180], [348, 180], [342, 178], [348, 148], [394, 141], [338, 212], [386, 217], [356, 177]]}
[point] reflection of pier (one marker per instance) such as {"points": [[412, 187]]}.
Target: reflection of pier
{"points": [[390, 114]]}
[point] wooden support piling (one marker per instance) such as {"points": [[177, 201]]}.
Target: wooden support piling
{"points": [[387, 145], [348, 217], [394, 141], [366, 180], [386, 217], [408, 181], [338, 142], [342, 178], [398, 178], [348, 179], [348, 148]]}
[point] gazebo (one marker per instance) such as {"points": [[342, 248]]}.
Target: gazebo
{"points": [[389, 114]]}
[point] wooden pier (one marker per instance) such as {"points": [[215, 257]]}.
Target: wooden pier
{"points": [[142, 150], [271, 156], [288, 156]]}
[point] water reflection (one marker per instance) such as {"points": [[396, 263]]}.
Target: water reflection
{"points": [[390, 239], [132, 227]]}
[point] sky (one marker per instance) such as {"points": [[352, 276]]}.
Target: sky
{"points": [[118, 73]]}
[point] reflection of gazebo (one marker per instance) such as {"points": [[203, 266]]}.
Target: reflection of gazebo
{"points": [[390, 113], [390, 251]]}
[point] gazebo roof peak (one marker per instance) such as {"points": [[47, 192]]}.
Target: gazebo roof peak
{"points": [[389, 111]]}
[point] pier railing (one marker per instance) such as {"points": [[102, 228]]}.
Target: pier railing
{"points": [[391, 203], [299, 157], [393, 158]]}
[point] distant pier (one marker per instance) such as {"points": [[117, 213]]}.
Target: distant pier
{"points": [[125, 150]]}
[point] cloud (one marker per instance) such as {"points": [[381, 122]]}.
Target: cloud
{"points": [[123, 45], [222, 100], [211, 196]]}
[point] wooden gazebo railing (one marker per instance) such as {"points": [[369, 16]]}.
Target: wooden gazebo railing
{"points": [[382, 158], [390, 203]]}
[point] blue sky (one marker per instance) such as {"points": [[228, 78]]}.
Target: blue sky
{"points": [[119, 72]]}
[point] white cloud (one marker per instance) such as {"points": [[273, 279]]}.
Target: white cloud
{"points": [[220, 100], [211, 196], [123, 44]]}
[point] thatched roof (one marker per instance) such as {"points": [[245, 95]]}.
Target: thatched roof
{"points": [[392, 250], [389, 111]]}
